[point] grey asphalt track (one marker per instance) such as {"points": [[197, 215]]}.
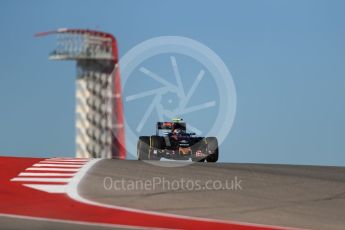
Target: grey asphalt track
{"points": [[18, 223], [311, 197]]}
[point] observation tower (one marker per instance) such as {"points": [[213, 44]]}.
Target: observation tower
{"points": [[99, 108]]}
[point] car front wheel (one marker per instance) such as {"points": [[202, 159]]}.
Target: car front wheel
{"points": [[212, 149]]}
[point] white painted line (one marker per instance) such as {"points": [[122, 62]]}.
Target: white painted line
{"points": [[61, 162], [53, 169], [77, 161], [50, 188], [41, 179], [45, 174], [57, 165], [69, 159]]}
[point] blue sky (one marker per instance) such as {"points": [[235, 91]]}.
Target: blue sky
{"points": [[287, 59]]}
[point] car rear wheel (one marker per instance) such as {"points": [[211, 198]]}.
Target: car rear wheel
{"points": [[156, 146], [143, 147], [212, 149], [200, 146]]}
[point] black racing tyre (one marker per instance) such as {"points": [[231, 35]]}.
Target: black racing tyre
{"points": [[143, 147], [212, 149], [156, 144], [200, 145]]}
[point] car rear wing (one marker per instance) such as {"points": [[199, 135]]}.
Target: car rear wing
{"points": [[170, 126]]}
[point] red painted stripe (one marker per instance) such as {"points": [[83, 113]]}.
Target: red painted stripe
{"points": [[54, 167], [43, 176], [119, 150]]}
